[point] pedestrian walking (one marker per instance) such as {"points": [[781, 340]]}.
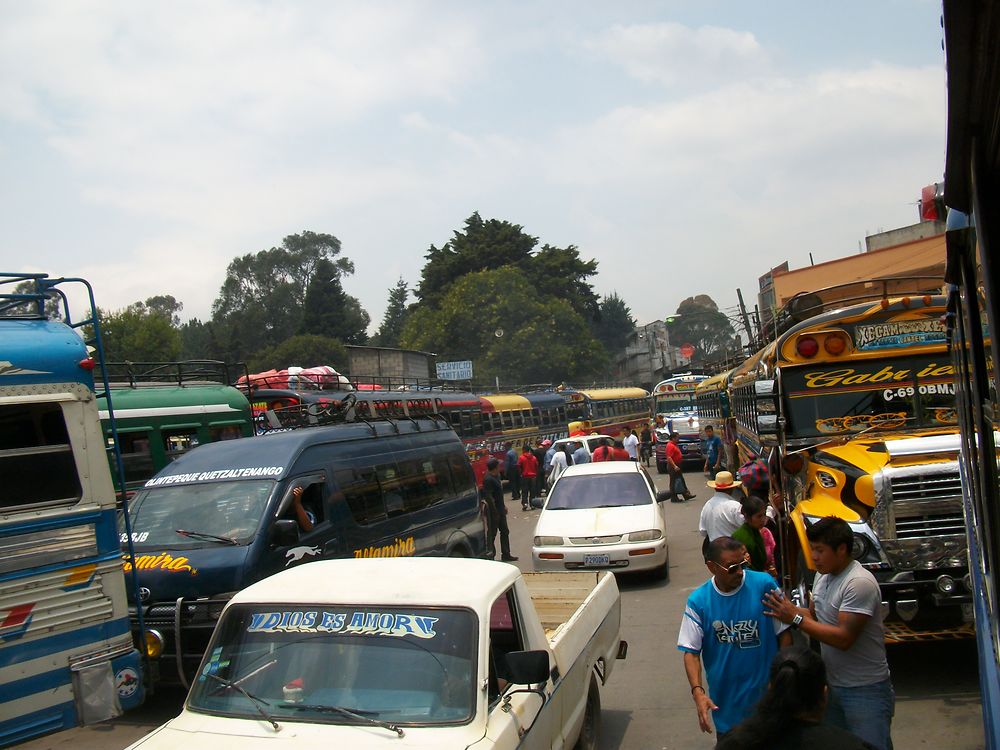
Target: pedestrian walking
{"points": [[541, 451], [580, 455], [631, 445], [755, 535], [845, 616], [561, 461], [496, 512], [675, 459], [512, 472], [713, 451], [527, 466], [789, 715], [645, 444], [721, 515], [724, 625]]}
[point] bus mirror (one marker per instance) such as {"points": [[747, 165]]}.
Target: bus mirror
{"points": [[285, 532], [767, 424], [764, 389]]}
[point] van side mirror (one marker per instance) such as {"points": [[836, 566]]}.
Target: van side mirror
{"points": [[285, 532], [527, 667]]}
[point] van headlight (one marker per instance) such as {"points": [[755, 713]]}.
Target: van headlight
{"points": [[650, 535], [548, 541]]}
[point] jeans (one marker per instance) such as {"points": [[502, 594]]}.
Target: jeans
{"points": [[496, 521], [865, 711]]}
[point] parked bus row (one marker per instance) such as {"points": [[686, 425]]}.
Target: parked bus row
{"points": [[853, 408]]}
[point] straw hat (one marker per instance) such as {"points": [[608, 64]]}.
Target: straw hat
{"points": [[723, 481]]}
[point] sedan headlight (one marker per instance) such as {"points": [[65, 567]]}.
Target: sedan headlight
{"points": [[548, 541], [650, 535]]}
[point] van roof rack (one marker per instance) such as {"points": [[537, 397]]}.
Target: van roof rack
{"points": [[351, 409]]}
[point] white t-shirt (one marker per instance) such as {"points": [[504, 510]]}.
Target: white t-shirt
{"points": [[631, 444], [854, 589], [720, 516]]}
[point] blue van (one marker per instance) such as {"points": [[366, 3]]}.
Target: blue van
{"points": [[224, 515]]}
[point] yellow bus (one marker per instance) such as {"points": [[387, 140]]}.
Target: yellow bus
{"points": [[715, 410], [854, 406]]}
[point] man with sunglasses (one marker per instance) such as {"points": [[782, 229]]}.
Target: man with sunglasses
{"points": [[725, 626]]}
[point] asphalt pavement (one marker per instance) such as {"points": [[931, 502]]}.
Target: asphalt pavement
{"points": [[647, 703]]}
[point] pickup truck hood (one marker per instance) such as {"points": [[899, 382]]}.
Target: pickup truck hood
{"points": [[599, 521], [193, 731]]}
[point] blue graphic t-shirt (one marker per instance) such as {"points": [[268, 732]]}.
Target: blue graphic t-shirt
{"points": [[737, 642], [712, 446]]}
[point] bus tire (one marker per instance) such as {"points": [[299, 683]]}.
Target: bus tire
{"points": [[590, 730]]}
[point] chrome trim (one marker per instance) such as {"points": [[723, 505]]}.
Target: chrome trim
{"points": [[109, 653]]}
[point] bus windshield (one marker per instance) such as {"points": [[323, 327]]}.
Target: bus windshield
{"points": [[341, 665], [675, 404], [227, 511], [898, 394]]}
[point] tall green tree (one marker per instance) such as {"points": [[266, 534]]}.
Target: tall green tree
{"points": [[614, 322], [395, 316], [330, 311], [560, 272], [304, 350], [138, 334], [53, 303], [699, 322], [498, 319]]}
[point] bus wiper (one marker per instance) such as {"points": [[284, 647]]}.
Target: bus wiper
{"points": [[204, 535], [258, 703], [353, 713]]}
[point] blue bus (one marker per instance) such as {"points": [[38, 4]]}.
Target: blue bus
{"points": [[972, 195], [66, 650]]}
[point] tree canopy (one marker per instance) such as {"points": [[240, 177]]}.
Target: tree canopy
{"points": [[614, 322], [140, 333], [699, 322], [303, 350], [395, 316], [330, 311]]}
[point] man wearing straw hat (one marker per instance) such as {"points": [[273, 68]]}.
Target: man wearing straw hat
{"points": [[721, 514]]}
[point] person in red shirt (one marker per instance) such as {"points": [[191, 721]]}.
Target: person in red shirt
{"points": [[602, 452], [678, 487], [618, 452], [527, 466]]}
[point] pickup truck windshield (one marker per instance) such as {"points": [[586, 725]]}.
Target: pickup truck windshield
{"points": [[228, 511], [899, 394], [599, 491], [400, 665]]}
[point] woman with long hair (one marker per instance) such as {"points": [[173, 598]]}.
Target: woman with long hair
{"points": [[788, 716]]}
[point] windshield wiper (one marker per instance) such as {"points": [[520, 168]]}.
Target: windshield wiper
{"points": [[258, 703], [204, 535], [353, 713]]}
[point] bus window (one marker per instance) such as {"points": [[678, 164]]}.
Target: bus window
{"points": [[36, 460], [508, 420], [178, 442], [364, 498], [136, 457], [224, 432]]}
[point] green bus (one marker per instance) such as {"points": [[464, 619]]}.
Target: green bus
{"points": [[162, 410]]}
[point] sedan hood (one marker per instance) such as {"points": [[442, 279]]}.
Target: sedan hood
{"points": [[599, 521]]}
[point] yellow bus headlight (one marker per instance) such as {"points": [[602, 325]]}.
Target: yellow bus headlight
{"points": [[154, 643]]}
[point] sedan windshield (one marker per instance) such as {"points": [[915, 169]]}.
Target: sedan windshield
{"points": [[198, 514], [599, 491], [341, 665]]}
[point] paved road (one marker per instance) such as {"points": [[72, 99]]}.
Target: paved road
{"points": [[647, 705]]}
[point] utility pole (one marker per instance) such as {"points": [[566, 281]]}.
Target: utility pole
{"points": [[743, 314]]}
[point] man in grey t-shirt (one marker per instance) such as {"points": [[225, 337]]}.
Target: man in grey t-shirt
{"points": [[846, 618]]}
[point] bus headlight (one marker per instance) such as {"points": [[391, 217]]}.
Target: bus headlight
{"points": [[861, 548], [154, 643]]}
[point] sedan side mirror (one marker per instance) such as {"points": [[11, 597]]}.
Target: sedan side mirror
{"points": [[662, 496]]}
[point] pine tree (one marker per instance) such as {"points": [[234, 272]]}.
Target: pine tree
{"points": [[395, 316]]}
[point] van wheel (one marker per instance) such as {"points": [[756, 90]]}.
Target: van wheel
{"points": [[591, 728]]}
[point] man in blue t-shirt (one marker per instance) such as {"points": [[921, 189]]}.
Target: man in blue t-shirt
{"points": [[713, 451], [724, 625]]}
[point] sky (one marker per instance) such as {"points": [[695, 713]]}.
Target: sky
{"points": [[688, 147]]}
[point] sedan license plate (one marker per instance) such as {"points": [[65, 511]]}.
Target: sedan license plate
{"points": [[593, 560]]}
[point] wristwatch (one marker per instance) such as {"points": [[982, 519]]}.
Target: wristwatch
{"points": [[796, 621]]}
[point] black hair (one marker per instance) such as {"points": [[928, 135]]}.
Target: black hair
{"points": [[751, 505], [491, 464], [719, 545], [619, 444], [709, 427], [674, 435], [795, 689], [832, 532]]}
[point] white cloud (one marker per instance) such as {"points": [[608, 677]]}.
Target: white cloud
{"points": [[671, 53]]}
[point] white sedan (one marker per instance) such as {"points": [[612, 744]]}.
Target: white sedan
{"points": [[603, 515]]}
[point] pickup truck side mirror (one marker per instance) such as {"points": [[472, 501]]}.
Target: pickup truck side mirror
{"points": [[527, 667], [285, 532]]}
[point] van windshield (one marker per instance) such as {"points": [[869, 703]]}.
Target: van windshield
{"points": [[226, 510], [404, 665]]}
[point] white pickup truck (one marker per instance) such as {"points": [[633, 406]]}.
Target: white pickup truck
{"points": [[409, 652]]}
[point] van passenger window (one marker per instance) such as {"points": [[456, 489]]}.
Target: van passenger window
{"points": [[425, 481], [363, 495], [462, 478], [392, 489]]}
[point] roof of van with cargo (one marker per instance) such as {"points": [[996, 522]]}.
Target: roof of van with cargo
{"points": [[410, 581], [268, 455]]}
